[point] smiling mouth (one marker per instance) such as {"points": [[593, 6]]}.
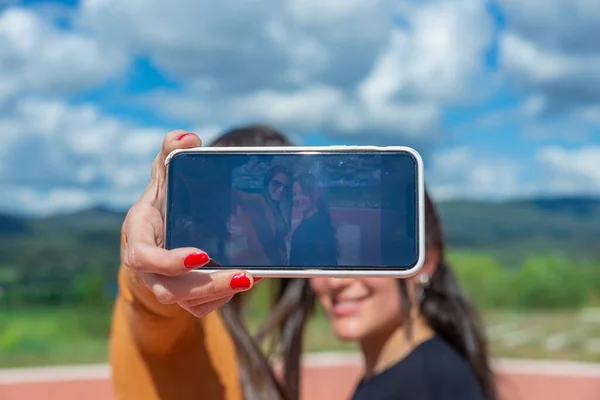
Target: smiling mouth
{"points": [[347, 307]]}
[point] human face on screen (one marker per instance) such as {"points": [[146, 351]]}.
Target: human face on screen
{"points": [[302, 201], [277, 186]]}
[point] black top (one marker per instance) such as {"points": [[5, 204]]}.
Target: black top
{"points": [[432, 371], [314, 243]]}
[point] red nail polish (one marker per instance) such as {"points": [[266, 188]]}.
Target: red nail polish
{"points": [[195, 260], [240, 281], [256, 280], [182, 136]]}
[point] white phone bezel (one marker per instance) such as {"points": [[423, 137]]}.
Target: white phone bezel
{"points": [[323, 272]]}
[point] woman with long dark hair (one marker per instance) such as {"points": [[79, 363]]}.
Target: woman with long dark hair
{"points": [[277, 191], [168, 341], [183, 337], [420, 337], [270, 214], [314, 240]]}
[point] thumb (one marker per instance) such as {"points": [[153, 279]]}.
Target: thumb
{"points": [[177, 139]]}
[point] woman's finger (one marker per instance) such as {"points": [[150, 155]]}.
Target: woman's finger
{"points": [[142, 254], [199, 302], [177, 139], [148, 258], [203, 309], [197, 285]]}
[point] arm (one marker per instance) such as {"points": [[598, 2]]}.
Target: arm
{"points": [[155, 327], [167, 341], [160, 351]]}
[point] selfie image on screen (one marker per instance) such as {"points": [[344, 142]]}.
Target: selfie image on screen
{"points": [[326, 210]]}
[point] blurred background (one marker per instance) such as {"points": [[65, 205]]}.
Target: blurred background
{"points": [[502, 99]]}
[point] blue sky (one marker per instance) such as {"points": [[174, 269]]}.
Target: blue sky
{"points": [[502, 98]]}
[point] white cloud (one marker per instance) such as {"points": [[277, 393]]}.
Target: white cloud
{"points": [[37, 57], [460, 173], [343, 68], [571, 171], [564, 25], [327, 109], [551, 49], [439, 56], [242, 46], [59, 155], [590, 114], [313, 106], [27, 199], [549, 69], [380, 70], [548, 52], [56, 156]]}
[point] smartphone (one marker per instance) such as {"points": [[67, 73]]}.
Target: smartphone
{"points": [[339, 211]]}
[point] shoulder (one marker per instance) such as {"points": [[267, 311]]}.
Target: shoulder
{"points": [[432, 371], [446, 371], [320, 220], [251, 201]]}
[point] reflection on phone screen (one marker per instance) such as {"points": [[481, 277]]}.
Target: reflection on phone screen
{"points": [[294, 210]]}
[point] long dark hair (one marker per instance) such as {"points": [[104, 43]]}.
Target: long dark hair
{"points": [[282, 210], [448, 311], [444, 306], [272, 237], [287, 320]]}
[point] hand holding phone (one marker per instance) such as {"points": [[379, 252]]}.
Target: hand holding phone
{"points": [[299, 211], [165, 272]]}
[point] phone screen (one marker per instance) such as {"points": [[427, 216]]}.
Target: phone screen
{"points": [[351, 211]]}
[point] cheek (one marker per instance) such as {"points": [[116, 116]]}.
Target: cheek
{"points": [[385, 307], [319, 286], [386, 296], [380, 313], [321, 289]]}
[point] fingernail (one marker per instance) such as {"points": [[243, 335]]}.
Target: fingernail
{"points": [[256, 280], [195, 260], [240, 281], [182, 136]]}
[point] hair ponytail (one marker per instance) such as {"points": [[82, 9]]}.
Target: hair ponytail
{"points": [[286, 321], [450, 314], [257, 378]]}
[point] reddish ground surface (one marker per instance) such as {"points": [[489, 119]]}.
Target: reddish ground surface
{"points": [[328, 377]]}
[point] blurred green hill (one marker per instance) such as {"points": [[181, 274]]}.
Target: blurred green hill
{"points": [[76, 255]]}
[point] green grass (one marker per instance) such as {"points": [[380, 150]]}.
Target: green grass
{"points": [[565, 335], [57, 336], [70, 335]]}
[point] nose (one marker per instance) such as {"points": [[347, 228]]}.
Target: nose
{"points": [[339, 283]]}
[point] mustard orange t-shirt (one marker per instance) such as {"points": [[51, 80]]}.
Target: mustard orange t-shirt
{"points": [[160, 351]]}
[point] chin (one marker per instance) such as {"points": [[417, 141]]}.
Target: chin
{"points": [[347, 331]]}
